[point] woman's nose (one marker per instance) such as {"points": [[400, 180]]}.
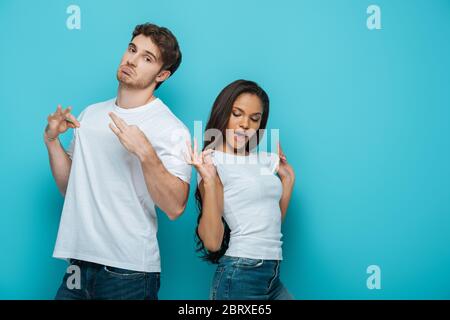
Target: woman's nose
{"points": [[244, 123]]}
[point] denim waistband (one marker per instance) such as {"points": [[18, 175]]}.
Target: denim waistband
{"points": [[230, 259], [85, 263]]}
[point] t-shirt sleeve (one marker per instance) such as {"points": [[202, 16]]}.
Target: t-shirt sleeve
{"points": [[199, 179], [173, 155], [70, 149], [71, 146]]}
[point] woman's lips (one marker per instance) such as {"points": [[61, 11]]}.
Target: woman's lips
{"points": [[240, 136]]}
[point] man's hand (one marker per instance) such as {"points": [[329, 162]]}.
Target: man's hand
{"points": [[130, 136], [59, 121]]}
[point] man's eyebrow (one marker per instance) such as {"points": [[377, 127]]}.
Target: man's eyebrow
{"points": [[146, 51], [256, 113], [152, 54]]}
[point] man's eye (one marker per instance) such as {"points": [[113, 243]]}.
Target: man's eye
{"points": [[148, 59]]}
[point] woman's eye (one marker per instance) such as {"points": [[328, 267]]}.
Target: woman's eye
{"points": [[255, 119], [236, 114]]}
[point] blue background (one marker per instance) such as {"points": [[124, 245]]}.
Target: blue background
{"points": [[363, 118]]}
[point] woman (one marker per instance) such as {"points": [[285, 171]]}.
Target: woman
{"points": [[241, 200]]}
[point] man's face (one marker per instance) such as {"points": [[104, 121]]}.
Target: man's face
{"points": [[141, 64]]}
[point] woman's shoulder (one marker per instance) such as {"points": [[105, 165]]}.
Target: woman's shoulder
{"points": [[270, 156]]}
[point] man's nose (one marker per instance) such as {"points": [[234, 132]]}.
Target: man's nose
{"points": [[131, 61]]}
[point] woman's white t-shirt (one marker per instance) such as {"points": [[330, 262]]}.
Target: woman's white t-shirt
{"points": [[252, 193], [108, 215]]}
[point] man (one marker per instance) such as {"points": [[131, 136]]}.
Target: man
{"points": [[126, 156]]}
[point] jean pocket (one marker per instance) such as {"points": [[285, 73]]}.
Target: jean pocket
{"points": [[249, 263], [216, 282], [123, 273]]}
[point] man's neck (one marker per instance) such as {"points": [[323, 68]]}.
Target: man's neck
{"points": [[128, 98]]}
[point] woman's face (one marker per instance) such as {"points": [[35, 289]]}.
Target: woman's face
{"points": [[244, 121]]}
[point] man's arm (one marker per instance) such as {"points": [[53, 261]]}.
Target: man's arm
{"points": [[60, 163], [168, 192]]}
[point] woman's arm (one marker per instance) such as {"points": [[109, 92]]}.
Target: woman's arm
{"points": [[210, 228], [288, 186], [287, 177]]}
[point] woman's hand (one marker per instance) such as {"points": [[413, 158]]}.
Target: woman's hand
{"points": [[285, 171], [202, 161]]}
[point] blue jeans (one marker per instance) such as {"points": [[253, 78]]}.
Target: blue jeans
{"points": [[248, 279], [99, 282]]}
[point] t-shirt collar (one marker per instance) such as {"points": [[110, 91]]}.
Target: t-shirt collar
{"points": [[135, 109]]}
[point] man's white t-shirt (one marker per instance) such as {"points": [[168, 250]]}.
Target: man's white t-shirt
{"points": [[108, 216], [252, 194]]}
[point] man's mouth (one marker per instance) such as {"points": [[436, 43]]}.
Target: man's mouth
{"points": [[127, 71]]}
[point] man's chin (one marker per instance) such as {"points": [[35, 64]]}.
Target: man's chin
{"points": [[126, 82]]}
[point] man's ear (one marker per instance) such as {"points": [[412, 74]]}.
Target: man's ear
{"points": [[163, 75]]}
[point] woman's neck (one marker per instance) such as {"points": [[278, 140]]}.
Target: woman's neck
{"points": [[226, 148]]}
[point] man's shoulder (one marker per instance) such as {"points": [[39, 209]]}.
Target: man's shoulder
{"points": [[103, 105], [169, 119]]}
